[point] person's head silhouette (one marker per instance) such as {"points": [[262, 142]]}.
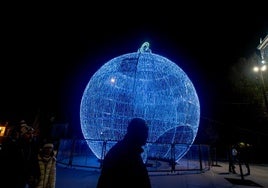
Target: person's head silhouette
{"points": [[123, 164], [137, 131]]}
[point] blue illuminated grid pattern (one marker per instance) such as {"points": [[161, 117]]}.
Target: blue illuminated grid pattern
{"points": [[140, 84]]}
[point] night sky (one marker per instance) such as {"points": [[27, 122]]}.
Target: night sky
{"points": [[49, 53]]}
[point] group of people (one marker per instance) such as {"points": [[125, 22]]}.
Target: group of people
{"points": [[25, 161], [239, 155]]}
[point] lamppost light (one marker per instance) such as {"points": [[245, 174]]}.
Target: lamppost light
{"points": [[263, 68], [263, 52]]}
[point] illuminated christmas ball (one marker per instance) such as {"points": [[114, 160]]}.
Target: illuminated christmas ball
{"points": [[140, 84]]}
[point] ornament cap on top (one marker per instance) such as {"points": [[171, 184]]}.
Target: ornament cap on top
{"points": [[145, 47]]}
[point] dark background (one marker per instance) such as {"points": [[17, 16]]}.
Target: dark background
{"points": [[49, 52]]}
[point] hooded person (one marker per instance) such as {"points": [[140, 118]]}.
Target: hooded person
{"points": [[46, 164], [29, 152], [25, 129], [123, 165]]}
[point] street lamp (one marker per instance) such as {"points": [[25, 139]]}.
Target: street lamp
{"points": [[260, 69]]}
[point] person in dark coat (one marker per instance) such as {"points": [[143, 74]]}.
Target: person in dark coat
{"points": [[243, 155], [19, 154], [232, 153], [11, 161], [123, 165]]}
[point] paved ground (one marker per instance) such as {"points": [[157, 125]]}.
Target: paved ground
{"points": [[217, 177]]}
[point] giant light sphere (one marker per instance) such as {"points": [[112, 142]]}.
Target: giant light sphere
{"points": [[140, 84]]}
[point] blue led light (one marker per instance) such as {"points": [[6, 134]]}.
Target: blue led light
{"points": [[140, 84]]}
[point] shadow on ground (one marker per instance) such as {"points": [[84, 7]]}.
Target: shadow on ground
{"points": [[236, 181]]}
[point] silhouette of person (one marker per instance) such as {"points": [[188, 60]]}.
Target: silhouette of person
{"points": [[243, 155], [232, 153], [19, 153], [123, 165]]}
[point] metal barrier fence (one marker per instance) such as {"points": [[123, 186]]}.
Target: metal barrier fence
{"points": [[76, 153]]}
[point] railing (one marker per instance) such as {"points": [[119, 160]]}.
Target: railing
{"points": [[76, 153]]}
